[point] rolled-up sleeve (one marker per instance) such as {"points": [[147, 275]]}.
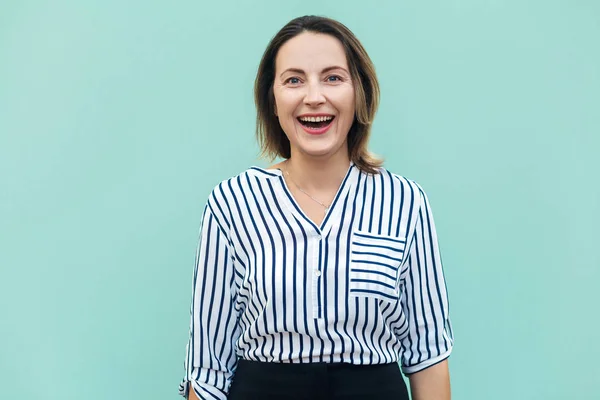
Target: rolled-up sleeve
{"points": [[429, 338], [211, 358]]}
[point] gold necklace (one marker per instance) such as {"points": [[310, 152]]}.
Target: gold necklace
{"points": [[302, 190]]}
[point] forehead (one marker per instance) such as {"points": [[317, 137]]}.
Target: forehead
{"points": [[310, 50]]}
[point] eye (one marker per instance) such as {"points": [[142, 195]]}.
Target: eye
{"points": [[293, 80], [333, 78]]}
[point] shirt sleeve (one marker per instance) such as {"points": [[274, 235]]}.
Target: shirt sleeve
{"points": [[428, 339], [210, 352]]}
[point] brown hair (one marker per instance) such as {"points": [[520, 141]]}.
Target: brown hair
{"points": [[270, 135]]}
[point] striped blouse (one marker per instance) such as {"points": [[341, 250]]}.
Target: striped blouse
{"points": [[364, 287]]}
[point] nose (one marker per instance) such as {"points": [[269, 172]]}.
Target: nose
{"points": [[314, 95]]}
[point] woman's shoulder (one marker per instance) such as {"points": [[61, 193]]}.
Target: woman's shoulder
{"points": [[396, 179], [236, 185]]}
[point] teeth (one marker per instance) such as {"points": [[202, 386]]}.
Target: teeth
{"points": [[316, 119]]}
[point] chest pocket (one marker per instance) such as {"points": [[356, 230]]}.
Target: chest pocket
{"points": [[374, 264]]}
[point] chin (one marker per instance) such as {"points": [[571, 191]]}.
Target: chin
{"points": [[320, 147], [318, 151]]}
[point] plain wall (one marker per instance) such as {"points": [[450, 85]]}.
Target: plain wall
{"points": [[117, 118]]}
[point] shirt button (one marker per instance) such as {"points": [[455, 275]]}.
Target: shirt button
{"points": [[318, 273]]}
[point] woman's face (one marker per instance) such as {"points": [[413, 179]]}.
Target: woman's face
{"points": [[314, 94]]}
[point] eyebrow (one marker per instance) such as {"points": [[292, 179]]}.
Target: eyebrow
{"points": [[299, 71]]}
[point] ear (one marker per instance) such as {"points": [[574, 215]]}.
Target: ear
{"points": [[272, 101]]}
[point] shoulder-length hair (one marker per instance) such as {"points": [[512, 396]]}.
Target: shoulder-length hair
{"points": [[272, 140]]}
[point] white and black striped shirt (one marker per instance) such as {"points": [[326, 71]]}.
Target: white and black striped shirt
{"points": [[365, 287]]}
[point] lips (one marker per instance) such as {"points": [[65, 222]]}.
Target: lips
{"points": [[317, 125], [315, 122]]}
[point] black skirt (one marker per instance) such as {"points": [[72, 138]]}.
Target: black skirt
{"points": [[316, 381]]}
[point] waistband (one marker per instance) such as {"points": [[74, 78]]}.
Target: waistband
{"points": [[288, 366]]}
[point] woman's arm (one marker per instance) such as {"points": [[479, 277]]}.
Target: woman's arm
{"points": [[210, 353], [427, 339], [191, 394], [432, 383]]}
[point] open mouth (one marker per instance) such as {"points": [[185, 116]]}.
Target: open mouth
{"points": [[316, 122]]}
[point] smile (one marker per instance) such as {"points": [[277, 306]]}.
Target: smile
{"points": [[316, 125]]}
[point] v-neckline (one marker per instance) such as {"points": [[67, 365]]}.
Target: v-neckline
{"points": [[294, 207]]}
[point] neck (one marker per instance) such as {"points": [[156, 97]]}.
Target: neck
{"points": [[318, 175]]}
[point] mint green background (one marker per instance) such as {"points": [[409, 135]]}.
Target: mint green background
{"points": [[118, 117]]}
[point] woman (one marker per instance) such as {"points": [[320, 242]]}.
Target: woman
{"points": [[315, 276]]}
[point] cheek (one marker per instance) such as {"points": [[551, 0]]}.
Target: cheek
{"points": [[344, 101], [285, 101]]}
